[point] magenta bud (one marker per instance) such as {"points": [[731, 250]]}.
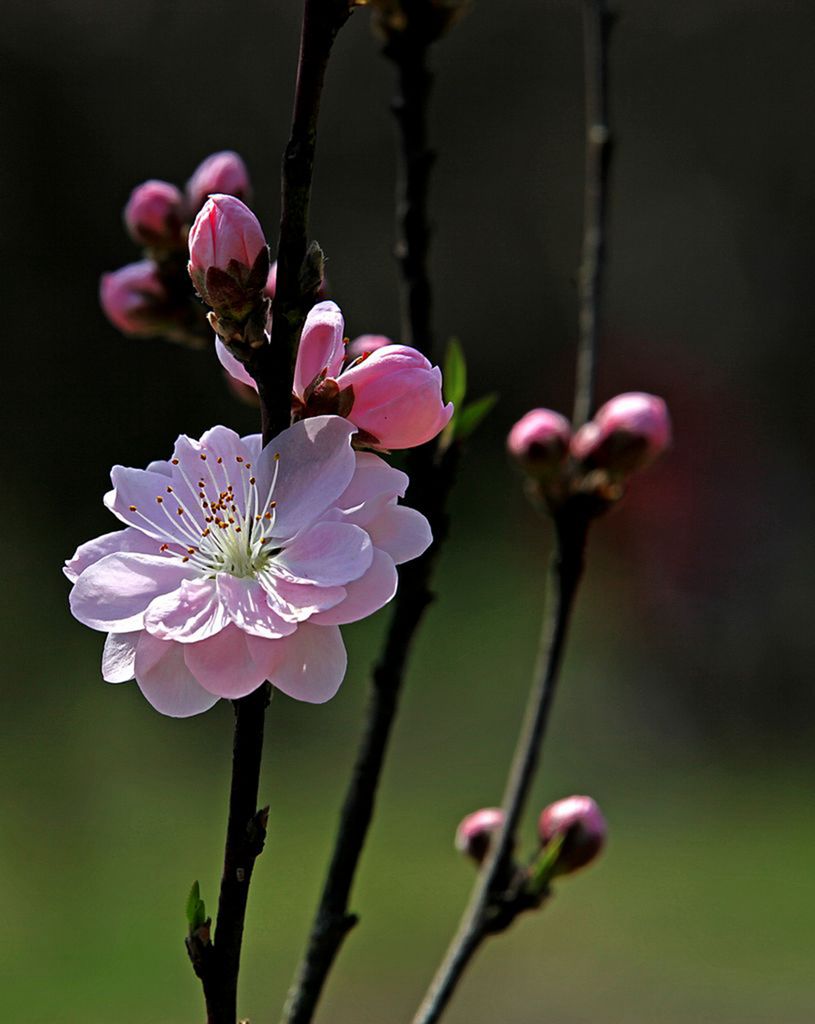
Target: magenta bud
{"points": [[475, 832], [229, 259], [134, 299], [539, 441], [154, 215], [583, 827], [222, 173], [626, 434], [364, 345]]}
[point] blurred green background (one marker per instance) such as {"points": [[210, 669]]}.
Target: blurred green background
{"points": [[687, 702]]}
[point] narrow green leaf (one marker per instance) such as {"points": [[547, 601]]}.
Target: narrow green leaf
{"points": [[455, 373], [471, 416], [545, 867]]}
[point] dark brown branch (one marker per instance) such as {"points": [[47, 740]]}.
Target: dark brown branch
{"points": [[597, 22], [486, 897], [490, 909], [298, 266], [432, 472]]}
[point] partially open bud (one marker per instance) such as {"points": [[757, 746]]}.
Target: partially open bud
{"points": [[229, 258], [397, 398], [475, 832], [626, 434], [364, 345], [154, 215], [135, 300], [539, 441], [577, 819], [222, 173]]}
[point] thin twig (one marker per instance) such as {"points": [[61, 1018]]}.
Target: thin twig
{"points": [[489, 909], [432, 472], [475, 924], [298, 276], [597, 22]]}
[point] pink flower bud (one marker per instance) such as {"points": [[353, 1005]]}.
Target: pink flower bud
{"points": [[626, 434], [228, 255], [474, 833], [154, 215], [221, 173], [364, 345], [321, 346], [133, 298], [540, 441], [397, 398], [579, 821]]}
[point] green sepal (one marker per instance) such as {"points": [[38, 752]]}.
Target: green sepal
{"points": [[544, 869], [196, 911], [468, 419], [455, 373]]}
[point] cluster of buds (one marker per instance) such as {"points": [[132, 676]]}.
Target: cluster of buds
{"points": [[571, 834], [626, 435], [154, 297]]}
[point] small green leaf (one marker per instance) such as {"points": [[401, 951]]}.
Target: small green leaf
{"points": [[455, 373], [196, 911], [471, 416]]}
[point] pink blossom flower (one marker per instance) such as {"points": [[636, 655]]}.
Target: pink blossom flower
{"points": [[154, 215], [222, 173], [239, 564], [626, 434], [393, 395], [133, 298], [225, 237]]}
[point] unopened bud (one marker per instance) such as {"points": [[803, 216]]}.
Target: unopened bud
{"points": [[222, 173], [154, 215], [364, 345], [626, 434], [474, 834], [539, 441], [577, 819], [134, 299], [229, 258]]}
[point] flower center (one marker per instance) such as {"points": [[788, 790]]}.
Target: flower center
{"points": [[236, 534]]}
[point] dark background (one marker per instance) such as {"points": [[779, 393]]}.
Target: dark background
{"points": [[687, 704]]}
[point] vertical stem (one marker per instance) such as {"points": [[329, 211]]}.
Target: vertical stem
{"points": [[563, 580], [596, 28], [245, 833]]}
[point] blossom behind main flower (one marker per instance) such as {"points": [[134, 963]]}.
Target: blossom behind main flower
{"points": [[238, 564]]}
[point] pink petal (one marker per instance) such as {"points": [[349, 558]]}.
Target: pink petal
{"points": [[223, 665], [373, 479], [234, 367], [113, 593], [119, 656], [91, 551], [140, 498], [315, 466], [328, 554], [296, 602], [365, 595], [188, 614], [402, 532], [165, 680], [321, 345], [309, 665], [245, 602]]}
